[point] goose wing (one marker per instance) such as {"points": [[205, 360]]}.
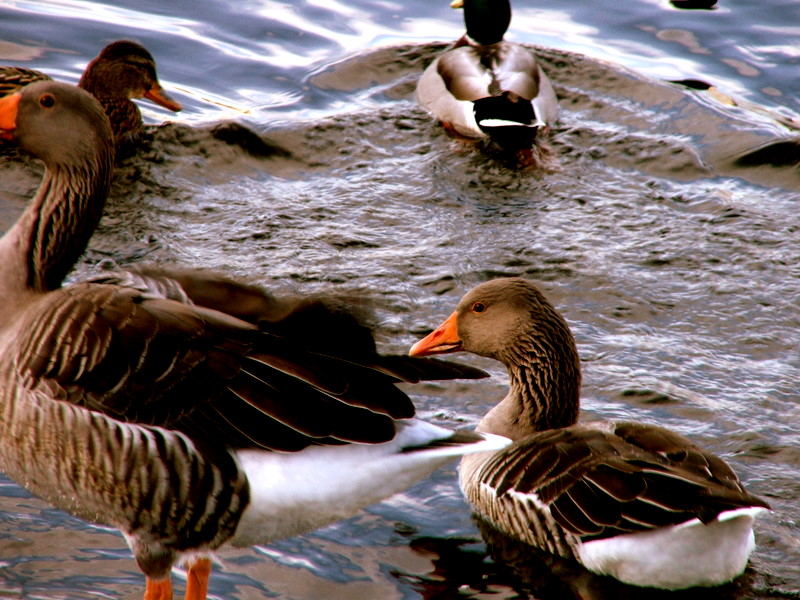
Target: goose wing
{"points": [[159, 362], [14, 78], [600, 483], [147, 358], [329, 325]]}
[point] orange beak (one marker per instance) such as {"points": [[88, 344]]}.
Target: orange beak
{"points": [[9, 105], [441, 340], [159, 96]]}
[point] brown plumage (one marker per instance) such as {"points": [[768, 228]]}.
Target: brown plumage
{"points": [[155, 402], [564, 485], [121, 71]]}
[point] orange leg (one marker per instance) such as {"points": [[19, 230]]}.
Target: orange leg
{"points": [[197, 580], [158, 589]]}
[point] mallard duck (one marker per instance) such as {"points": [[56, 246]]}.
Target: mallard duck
{"points": [[485, 86], [183, 408], [634, 501], [123, 70]]}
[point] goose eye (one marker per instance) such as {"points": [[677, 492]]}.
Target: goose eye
{"points": [[47, 100], [478, 307]]}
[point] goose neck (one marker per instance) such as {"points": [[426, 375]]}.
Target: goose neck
{"points": [[543, 394], [38, 252]]}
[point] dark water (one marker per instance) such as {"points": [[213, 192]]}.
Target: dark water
{"points": [[668, 236]]}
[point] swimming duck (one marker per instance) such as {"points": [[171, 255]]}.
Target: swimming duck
{"points": [[635, 501], [487, 87], [144, 403], [123, 70]]}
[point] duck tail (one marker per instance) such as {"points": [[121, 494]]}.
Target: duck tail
{"points": [[508, 119]]}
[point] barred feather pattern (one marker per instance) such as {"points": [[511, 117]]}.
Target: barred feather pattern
{"points": [[155, 485], [542, 361], [70, 206], [162, 287], [131, 356], [126, 407], [563, 485], [557, 489], [12, 79], [519, 515], [549, 398]]}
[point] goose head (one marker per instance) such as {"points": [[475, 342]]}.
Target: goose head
{"points": [[59, 123], [66, 128], [498, 319], [510, 320]]}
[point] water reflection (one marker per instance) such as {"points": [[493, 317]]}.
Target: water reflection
{"points": [[509, 569]]}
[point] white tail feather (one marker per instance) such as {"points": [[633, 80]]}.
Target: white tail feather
{"points": [[506, 123]]}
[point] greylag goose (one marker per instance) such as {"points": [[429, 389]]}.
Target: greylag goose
{"points": [[634, 501], [123, 70], [487, 87], [152, 409]]}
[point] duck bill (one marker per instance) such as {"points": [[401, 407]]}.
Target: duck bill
{"points": [[441, 340], [457, 4], [159, 96], [9, 106]]}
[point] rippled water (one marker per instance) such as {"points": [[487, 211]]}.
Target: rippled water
{"points": [[668, 236]]}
